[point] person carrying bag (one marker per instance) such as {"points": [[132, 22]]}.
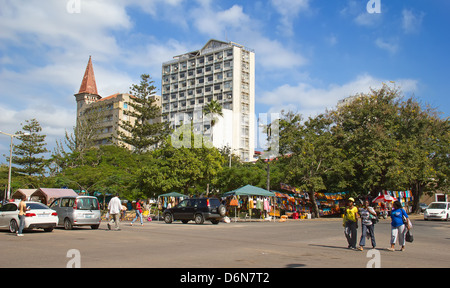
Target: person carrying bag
{"points": [[398, 228]]}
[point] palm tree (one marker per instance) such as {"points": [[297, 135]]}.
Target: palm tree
{"points": [[213, 108]]}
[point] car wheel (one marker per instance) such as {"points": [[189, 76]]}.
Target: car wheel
{"points": [[185, 221], [222, 210], [215, 221], [48, 229], [168, 218], [68, 224], [199, 219], [13, 227], [94, 226]]}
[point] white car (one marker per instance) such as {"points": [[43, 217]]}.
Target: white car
{"points": [[38, 216], [437, 210]]}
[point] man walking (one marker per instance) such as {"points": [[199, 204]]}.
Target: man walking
{"points": [[114, 208]]}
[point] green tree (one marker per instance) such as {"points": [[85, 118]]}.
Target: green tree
{"points": [[26, 154], [392, 143], [313, 155], [147, 131], [186, 170], [423, 139], [107, 169], [364, 130]]}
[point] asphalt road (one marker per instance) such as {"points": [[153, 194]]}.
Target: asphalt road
{"points": [[296, 243]]}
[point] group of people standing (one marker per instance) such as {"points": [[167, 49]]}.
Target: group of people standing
{"points": [[400, 224]]}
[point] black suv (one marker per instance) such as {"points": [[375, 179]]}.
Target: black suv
{"points": [[197, 209]]}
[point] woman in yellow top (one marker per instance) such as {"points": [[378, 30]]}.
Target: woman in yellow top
{"points": [[350, 223]]}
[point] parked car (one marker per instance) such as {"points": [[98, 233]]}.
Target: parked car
{"points": [[77, 211], [423, 207], [38, 216], [197, 209], [437, 210]]}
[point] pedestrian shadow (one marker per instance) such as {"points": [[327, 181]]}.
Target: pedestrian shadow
{"points": [[345, 248], [329, 246], [293, 265]]}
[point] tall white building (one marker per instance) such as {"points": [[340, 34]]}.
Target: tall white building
{"points": [[220, 71]]}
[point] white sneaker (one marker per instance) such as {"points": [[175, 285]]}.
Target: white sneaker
{"points": [[20, 235]]}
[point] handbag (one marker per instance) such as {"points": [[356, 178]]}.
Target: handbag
{"points": [[409, 237], [407, 222], [375, 220]]}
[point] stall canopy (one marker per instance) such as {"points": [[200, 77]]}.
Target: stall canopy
{"points": [[384, 198], [47, 195], [250, 190], [20, 192], [173, 194]]}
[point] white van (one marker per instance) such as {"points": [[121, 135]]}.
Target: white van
{"points": [[437, 210], [77, 211]]}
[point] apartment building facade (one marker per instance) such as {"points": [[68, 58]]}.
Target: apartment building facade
{"points": [[222, 72]]}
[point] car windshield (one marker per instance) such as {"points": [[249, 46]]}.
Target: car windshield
{"points": [[437, 206], [87, 203], [35, 206]]}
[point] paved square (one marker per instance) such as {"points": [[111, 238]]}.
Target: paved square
{"points": [[295, 243]]}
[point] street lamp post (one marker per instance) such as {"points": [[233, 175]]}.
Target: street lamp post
{"points": [[8, 193]]}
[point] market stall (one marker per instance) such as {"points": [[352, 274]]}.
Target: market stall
{"points": [[385, 199], [298, 202], [330, 203], [169, 200], [47, 195], [23, 192], [256, 201]]}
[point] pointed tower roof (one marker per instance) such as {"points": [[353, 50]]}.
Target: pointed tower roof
{"points": [[88, 84]]}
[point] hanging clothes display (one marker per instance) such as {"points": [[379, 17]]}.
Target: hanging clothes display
{"points": [[234, 201]]}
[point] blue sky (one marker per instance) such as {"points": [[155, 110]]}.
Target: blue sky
{"points": [[309, 53]]}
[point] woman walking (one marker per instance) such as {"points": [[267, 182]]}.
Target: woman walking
{"points": [[398, 229], [138, 212], [367, 214]]}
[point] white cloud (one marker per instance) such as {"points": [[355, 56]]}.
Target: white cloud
{"points": [[54, 120], [309, 100], [332, 40], [235, 24], [368, 19], [48, 23], [217, 23], [289, 10], [391, 46], [273, 55], [411, 22]]}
